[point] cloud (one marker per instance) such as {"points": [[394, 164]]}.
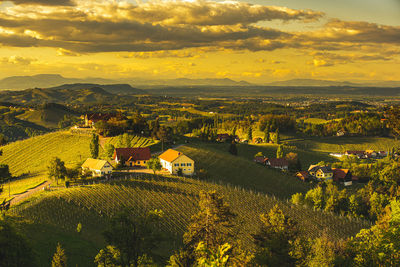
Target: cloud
{"points": [[325, 59], [215, 13], [148, 30], [17, 60], [44, 2]]}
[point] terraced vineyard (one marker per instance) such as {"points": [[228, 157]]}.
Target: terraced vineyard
{"points": [[136, 141], [241, 170], [178, 199], [32, 155]]}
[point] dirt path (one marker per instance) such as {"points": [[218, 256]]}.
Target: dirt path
{"points": [[20, 197]]}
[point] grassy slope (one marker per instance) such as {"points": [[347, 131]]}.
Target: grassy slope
{"points": [[177, 197], [241, 170], [340, 144], [31, 156], [48, 118]]}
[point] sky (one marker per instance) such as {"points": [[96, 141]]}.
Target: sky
{"points": [[258, 41]]}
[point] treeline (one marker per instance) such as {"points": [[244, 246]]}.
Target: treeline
{"points": [[363, 124], [369, 202]]}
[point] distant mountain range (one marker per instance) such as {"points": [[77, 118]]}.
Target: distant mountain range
{"points": [[56, 80], [321, 83]]}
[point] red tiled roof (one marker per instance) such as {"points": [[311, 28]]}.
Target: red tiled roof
{"points": [[278, 162], [340, 173], [133, 153]]}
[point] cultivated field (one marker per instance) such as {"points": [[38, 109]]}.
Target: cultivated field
{"points": [[241, 170], [176, 197]]}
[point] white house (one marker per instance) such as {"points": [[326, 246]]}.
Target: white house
{"points": [[98, 167], [173, 160]]}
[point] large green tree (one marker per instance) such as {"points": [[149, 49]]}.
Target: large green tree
{"points": [[59, 257], [274, 239], [212, 228], [56, 169], [94, 146], [154, 164], [133, 236]]}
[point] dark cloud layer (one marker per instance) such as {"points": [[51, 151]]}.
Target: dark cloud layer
{"points": [[173, 25], [44, 2]]}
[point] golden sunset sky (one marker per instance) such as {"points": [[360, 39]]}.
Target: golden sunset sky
{"points": [[256, 41]]}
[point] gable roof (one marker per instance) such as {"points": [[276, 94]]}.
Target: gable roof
{"points": [[170, 155], [340, 173], [132, 153], [278, 162], [94, 164], [325, 169]]}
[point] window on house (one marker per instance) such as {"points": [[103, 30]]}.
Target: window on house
{"points": [[176, 164], [183, 164], [189, 164]]}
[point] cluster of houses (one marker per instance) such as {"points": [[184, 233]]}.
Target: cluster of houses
{"points": [[365, 154], [171, 161], [275, 163], [326, 173]]}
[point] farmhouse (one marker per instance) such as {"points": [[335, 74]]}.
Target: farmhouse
{"points": [[173, 160], [132, 156], [282, 164], [97, 167], [343, 176], [321, 172]]}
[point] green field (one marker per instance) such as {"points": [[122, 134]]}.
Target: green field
{"points": [[30, 157], [341, 144], [56, 214], [241, 170]]}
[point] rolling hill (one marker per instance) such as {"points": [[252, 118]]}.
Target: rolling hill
{"points": [[124, 89], [48, 115], [60, 211]]}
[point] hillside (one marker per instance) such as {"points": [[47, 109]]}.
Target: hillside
{"points": [[43, 81], [241, 170], [79, 96], [32, 155], [60, 211], [48, 115], [124, 89]]}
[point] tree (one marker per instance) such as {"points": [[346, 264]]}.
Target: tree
{"points": [[211, 228], [294, 163], [56, 169], [94, 146], [266, 135], [233, 148], [109, 256], [154, 164], [3, 140], [277, 137], [274, 239], [279, 152], [133, 236], [250, 134], [4, 172], [59, 258], [14, 249], [259, 154]]}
